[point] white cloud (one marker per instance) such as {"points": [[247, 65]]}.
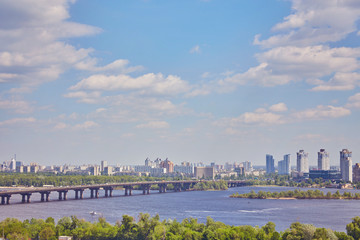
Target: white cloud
{"points": [[20, 121], [154, 125], [85, 97], [60, 126], [310, 137], [280, 107], [195, 49], [85, 125], [146, 84], [340, 82], [299, 49], [321, 112], [313, 22], [18, 106], [32, 49], [283, 65], [252, 118], [354, 101]]}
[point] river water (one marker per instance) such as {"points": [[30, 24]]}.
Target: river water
{"points": [[334, 214]]}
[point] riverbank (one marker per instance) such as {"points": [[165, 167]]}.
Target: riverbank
{"points": [[298, 194], [152, 228]]}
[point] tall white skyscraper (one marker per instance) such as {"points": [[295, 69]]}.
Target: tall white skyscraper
{"points": [[346, 165], [323, 160], [284, 165], [302, 161]]}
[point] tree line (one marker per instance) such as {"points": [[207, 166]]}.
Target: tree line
{"points": [[298, 194], [39, 180], [147, 227]]}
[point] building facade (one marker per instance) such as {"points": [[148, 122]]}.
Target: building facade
{"points": [[346, 165], [270, 165], [302, 162], [284, 165], [204, 172], [356, 173], [323, 160]]}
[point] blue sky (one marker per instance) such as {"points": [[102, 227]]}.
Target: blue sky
{"points": [[211, 81]]}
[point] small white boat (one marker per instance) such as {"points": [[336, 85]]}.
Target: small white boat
{"points": [[93, 213]]}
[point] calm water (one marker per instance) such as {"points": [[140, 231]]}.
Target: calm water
{"points": [[334, 214]]}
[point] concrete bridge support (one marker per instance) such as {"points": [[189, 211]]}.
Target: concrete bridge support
{"points": [[45, 196], [94, 192], [186, 186], [77, 191], [5, 199], [128, 190], [62, 195], [146, 189], [177, 187], [162, 188], [25, 197], [108, 191]]}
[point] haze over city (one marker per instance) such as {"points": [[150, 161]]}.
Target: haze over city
{"points": [[199, 81]]}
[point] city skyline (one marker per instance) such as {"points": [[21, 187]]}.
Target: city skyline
{"points": [[119, 81]]}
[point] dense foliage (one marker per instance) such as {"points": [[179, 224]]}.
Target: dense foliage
{"points": [[152, 228], [38, 180], [298, 194], [213, 185]]}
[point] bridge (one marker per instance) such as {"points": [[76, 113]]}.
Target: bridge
{"points": [[108, 188]]}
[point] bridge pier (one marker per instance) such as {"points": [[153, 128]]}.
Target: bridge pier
{"points": [[77, 191], [108, 191], [94, 190], [162, 188], [146, 189], [63, 194], [128, 190], [5, 199], [177, 187], [45, 196], [25, 197]]}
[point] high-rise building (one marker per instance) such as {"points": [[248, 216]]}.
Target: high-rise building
{"points": [[302, 162], [346, 165], [356, 173], [104, 164], [270, 165], [169, 165], [284, 165], [323, 160]]}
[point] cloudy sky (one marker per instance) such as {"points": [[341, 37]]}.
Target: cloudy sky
{"points": [[194, 80]]}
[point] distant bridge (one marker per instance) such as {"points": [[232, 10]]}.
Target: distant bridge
{"points": [[108, 189]]}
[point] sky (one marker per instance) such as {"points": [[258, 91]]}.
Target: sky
{"points": [[192, 80]]}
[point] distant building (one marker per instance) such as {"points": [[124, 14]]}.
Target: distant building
{"points": [[108, 170], [346, 165], [325, 174], [284, 165], [302, 162], [189, 170], [247, 166], [94, 170], [270, 165], [356, 173], [204, 172], [104, 164], [13, 165], [323, 160], [34, 169], [240, 171], [169, 165]]}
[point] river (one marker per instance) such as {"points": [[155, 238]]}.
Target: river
{"points": [[334, 214]]}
